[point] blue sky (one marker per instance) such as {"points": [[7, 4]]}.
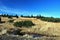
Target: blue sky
{"points": [[31, 7]]}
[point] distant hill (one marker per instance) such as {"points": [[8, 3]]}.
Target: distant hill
{"points": [[49, 19], [42, 25]]}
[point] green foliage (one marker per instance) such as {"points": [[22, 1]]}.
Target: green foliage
{"points": [[49, 19], [10, 21], [21, 15], [9, 16], [24, 24], [17, 16]]}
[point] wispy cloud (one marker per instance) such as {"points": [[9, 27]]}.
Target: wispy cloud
{"points": [[5, 9]]}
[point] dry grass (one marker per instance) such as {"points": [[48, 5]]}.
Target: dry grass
{"points": [[41, 27]]}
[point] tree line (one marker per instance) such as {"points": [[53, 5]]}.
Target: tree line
{"points": [[9, 16], [49, 19]]}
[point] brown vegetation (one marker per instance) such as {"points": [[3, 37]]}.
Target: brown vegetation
{"points": [[41, 27]]}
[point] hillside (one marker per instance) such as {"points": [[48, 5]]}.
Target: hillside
{"points": [[41, 27]]}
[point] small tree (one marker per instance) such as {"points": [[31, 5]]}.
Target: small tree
{"points": [[10, 17], [16, 16], [32, 16], [21, 15]]}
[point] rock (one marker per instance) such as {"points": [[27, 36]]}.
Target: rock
{"points": [[3, 32], [28, 36]]}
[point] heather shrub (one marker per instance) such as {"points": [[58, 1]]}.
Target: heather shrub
{"points": [[24, 24]]}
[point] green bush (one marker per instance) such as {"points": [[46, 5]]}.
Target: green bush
{"points": [[11, 21], [10, 17], [24, 24]]}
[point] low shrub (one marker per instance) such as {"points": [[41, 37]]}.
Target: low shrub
{"points": [[24, 24], [10, 21], [10, 17]]}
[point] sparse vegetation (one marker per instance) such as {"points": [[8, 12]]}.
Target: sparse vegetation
{"points": [[10, 21], [23, 24], [9, 16], [49, 19], [16, 16], [15, 32], [39, 24]]}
